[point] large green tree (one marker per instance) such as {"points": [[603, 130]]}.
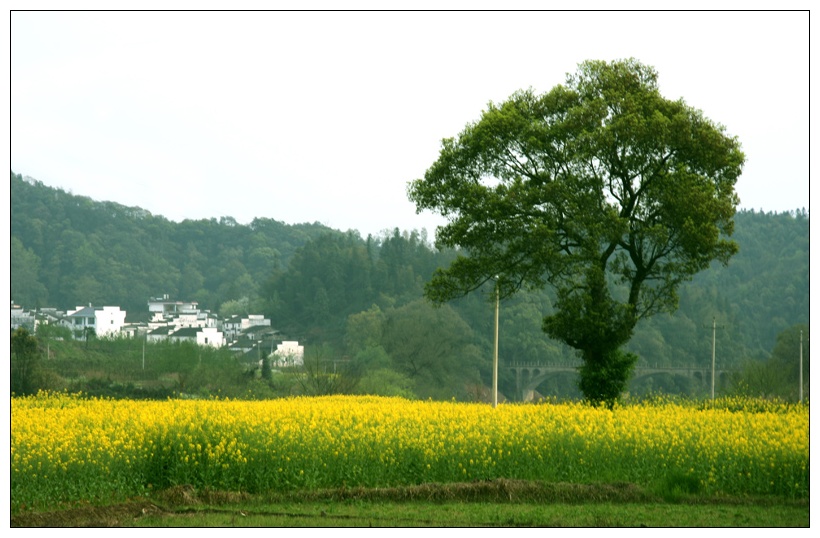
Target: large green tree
{"points": [[602, 188], [433, 347]]}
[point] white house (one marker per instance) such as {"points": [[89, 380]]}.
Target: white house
{"points": [[135, 330], [105, 320], [22, 318], [34, 318], [289, 353], [232, 327], [236, 325], [159, 333], [210, 336], [254, 320], [164, 305], [193, 319], [181, 320], [203, 336]]}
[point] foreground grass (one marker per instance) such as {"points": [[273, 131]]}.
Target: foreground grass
{"points": [[419, 514], [497, 503]]}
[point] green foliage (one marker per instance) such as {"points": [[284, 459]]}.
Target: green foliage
{"points": [[483, 504], [25, 363], [386, 382], [25, 266], [132, 368], [267, 372], [677, 485], [780, 375], [371, 358], [47, 331], [322, 375], [763, 292], [598, 184], [364, 330], [604, 377], [235, 307], [69, 250], [326, 279], [433, 347]]}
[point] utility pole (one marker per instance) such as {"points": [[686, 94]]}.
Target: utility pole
{"points": [[495, 349], [801, 366], [714, 332]]}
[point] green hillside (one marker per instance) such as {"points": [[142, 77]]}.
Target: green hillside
{"points": [[361, 298]]}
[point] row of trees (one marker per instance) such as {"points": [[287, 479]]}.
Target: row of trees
{"points": [[414, 351], [310, 300], [763, 291]]}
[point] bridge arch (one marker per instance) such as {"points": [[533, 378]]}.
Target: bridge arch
{"points": [[530, 375]]}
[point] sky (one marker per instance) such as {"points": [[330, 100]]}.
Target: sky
{"points": [[326, 116]]}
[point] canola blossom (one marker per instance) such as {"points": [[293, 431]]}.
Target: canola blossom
{"points": [[68, 448]]}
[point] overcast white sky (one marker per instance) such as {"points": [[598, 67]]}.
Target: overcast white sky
{"points": [[304, 116]]}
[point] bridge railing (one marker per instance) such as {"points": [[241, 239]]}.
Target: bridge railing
{"points": [[535, 364], [576, 364]]}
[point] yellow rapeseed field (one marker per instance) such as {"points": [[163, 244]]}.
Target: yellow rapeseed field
{"points": [[68, 448]]}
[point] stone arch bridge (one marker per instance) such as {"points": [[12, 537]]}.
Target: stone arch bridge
{"points": [[529, 375]]}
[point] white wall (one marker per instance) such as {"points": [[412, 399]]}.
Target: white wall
{"points": [[109, 320], [289, 353], [210, 336]]}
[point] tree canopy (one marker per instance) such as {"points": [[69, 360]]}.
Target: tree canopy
{"points": [[601, 188], [25, 359]]}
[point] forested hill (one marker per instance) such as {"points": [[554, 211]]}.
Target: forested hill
{"points": [[68, 250], [763, 291]]}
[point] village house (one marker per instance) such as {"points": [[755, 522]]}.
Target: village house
{"points": [[31, 319], [164, 305], [181, 320], [22, 318], [135, 330], [289, 353], [170, 320], [104, 320], [236, 325], [203, 336]]}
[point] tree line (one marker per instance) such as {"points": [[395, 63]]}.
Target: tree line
{"points": [[359, 301]]}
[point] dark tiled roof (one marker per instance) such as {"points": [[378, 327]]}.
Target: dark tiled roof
{"points": [[87, 312], [187, 332]]}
